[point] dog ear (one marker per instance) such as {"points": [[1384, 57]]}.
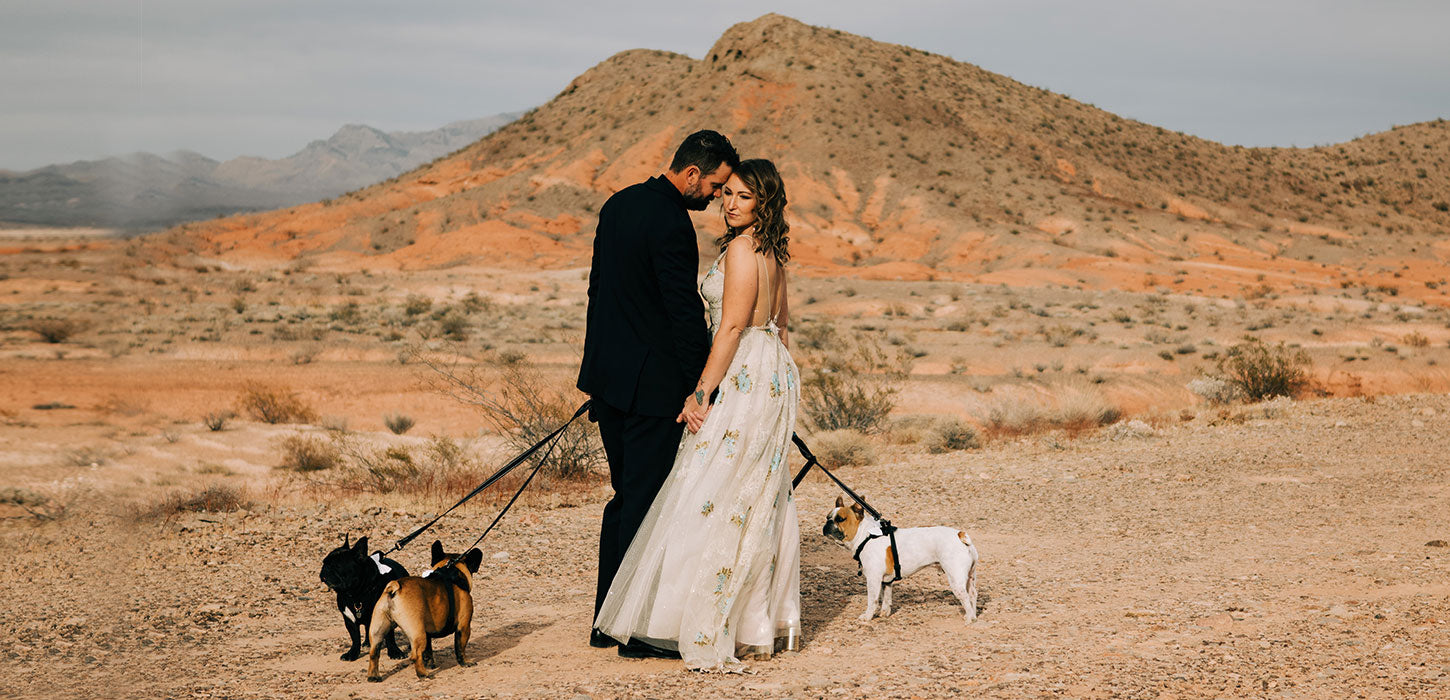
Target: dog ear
{"points": [[361, 545], [437, 552], [856, 508], [839, 502], [473, 559]]}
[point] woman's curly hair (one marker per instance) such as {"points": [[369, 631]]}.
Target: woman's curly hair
{"points": [[771, 228]]}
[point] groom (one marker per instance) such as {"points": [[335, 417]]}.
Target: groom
{"points": [[645, 340]]}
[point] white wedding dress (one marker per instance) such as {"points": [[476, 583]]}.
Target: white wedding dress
{"points": [[714, 570]]}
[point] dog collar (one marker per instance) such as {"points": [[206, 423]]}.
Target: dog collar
{"points": [[889, 532]]}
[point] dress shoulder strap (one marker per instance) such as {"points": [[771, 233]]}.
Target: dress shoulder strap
{"points": [[763, 291]]}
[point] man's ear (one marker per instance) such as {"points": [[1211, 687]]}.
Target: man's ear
{"points": [[692, 174]]}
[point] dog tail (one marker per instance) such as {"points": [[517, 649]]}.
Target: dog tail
{"points": [[963, 537]]}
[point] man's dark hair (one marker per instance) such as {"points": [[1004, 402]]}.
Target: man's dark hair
{"points": [[705, 150]]}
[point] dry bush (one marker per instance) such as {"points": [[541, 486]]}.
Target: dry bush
{"points": [[1261, 371], [1415, 339], [308, 453], [216, 421], [36, 505], [1215, 390], [1075, 411], [398, 423], [842, 448], [852, 384], [57, 330], [216, 498], [273, 405], [951, 435], [440, 469], [525, 406]]}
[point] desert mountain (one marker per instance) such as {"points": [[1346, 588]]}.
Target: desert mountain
{"points": [[147, 190], [903, 164]]}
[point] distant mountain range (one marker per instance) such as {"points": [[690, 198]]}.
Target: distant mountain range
{"points": [[145, 190]]}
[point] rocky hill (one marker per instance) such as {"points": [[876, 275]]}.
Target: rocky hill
{"points": [[904, 164], [144, 190]]}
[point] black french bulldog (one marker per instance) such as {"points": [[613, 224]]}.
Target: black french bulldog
{"points": [[358, 581]]}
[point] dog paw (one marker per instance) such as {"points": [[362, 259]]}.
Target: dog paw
{"points": [[375, 679], [466, 664], [350, 655], [397, 654], [865, 617]]}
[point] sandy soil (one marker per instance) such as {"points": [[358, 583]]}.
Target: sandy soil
{"points": [[1278, 550]]}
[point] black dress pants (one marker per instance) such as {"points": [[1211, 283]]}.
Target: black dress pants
{"points": [[641, 451]]}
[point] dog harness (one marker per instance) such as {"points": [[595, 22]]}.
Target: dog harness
{"points": [[888, 531]]}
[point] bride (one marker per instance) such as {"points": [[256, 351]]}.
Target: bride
{"points": [[714, 571]]}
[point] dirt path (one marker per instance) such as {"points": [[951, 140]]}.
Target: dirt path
{"points": [[1282, 555]]}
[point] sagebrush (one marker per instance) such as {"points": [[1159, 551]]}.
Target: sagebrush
{"points": [[1262, 371]]}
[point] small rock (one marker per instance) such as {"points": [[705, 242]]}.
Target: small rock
{"points": [[1437, 543], [500, 556]]}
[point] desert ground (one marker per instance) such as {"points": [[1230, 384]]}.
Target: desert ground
{"points": [[1167, 547]]}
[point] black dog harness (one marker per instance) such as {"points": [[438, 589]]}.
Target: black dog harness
{"points": [[888, 531]]}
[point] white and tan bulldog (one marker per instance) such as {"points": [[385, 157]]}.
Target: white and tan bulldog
{"points": [[948, 548]]}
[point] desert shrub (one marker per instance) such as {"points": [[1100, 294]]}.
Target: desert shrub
{"points": [[216, 421], [273, 405], [56, 330], [416, 305], [36, 505], [1130, 430], [454, 325], [525, 406], [398, 423], [308, 453], [814, 336], [1261, 371], [852, 384], [216, 498], [1215, 390], [441, 468], [952, 434], [842, 448], [1416, 339], [1075, 410]]}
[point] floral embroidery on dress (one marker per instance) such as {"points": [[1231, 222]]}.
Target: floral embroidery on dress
{"points": [[775, 461], [775, 385], [707, 508], [789, 379], [742, 380], [729, 442], [701, 446], [739, 518], [721, 577], [702, 640]]}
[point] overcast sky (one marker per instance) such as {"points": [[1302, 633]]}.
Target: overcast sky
{"points": [[81, 79]]}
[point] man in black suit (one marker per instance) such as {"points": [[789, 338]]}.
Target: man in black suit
{"points": [[645, 342]]}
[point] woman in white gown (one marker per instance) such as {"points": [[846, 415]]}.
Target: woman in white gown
{"points": [[714, 571]]}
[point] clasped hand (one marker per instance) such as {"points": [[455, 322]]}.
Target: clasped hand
{"points": [[693, 414]]}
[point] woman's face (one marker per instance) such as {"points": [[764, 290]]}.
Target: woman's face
{"points": [[739, 203]]}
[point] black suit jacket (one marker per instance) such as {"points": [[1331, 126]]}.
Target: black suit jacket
{"points": [[645, 340]]}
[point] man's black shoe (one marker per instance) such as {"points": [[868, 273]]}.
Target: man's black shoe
{"points": [[600, 640], [636, 649]]}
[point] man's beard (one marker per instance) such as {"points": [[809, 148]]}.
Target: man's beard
{"points": [[695, 199]]}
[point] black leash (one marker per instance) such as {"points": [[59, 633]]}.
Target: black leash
{"points": [[887, 529], [550, 439]]}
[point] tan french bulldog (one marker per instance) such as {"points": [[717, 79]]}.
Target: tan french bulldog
{"points": [[436, 604]]}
